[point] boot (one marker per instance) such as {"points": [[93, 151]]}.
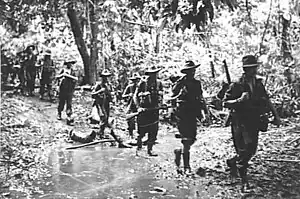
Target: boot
{"points": [[231, 163], [70, 120], [130, 133], [101, 132], [245, 184], [177, 153], [59, 115], [150, 152], [186, 163]]}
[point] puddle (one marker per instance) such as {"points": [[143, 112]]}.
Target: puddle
{"points": [[108, 172]]}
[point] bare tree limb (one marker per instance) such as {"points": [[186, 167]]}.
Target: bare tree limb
{"points": [[91, 143], [266, 27], [141, 24]]}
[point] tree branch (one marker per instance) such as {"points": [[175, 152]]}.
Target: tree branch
{"points": [[91, 143], [140, 24], [266, 26]]}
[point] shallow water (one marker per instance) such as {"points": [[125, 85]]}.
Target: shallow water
{"points": [[102, 172]]}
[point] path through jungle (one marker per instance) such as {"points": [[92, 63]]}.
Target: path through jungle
{"points": [[44, 168]]}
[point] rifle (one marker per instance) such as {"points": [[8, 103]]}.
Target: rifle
{"points": [[227, 72], [229, 116], [131, 115]]}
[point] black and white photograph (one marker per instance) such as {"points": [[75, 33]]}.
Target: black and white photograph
{"points": [[150, 99]]}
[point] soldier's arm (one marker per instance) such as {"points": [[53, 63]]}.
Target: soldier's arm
{"points": [[60, 75], [136, 98], [160, 93], [202, 100], [231, 98], [126, 92]]}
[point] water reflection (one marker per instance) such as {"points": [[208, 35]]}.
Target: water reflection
{"points": [[101, 172]]}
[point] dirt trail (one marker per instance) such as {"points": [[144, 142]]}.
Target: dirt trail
{"points": [[105, 171]]}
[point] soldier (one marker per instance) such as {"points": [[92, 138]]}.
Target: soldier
{"points": [[148, 96], [190, 104], [6, 66], [48, 73], [30, 68], [128, 96], [102, 95], [248, 101], [66, 90], [20, 68]]}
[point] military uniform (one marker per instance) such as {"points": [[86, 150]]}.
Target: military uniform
{"points": [[148, 97], [102, 95], [189, 102], [66, 91], [47, 76], [131, 106], [6, 67], [30, 68], [248, 101], [21, 70]]}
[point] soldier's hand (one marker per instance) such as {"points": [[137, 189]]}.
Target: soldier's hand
{"points": [[244, 96], [140, 110], [229, 103]]}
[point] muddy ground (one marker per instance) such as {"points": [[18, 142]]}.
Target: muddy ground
{"points": [[35, 163]]}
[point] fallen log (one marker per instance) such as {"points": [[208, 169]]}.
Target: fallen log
{"points": [[91, 143], [282, 160]]}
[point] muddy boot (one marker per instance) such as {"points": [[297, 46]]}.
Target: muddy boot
{"points": [[231, 163], [186, 163], [245, 184], [70, 121], [149, 150], [139, 145], [101, 131], [177, 153], [59, 115], [130, 133]]}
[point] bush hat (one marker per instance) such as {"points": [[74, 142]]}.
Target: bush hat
{"points": [[135, 76], [47, 52], [105, 73], [71, 61], [32, 47], [250, 61], [188, 66], [151, 70]]}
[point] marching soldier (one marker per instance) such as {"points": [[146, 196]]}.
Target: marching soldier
{"points": [[128, 96], [148, 96], [30, 69], [20, 68], [102, 95], [248, 101], [66, 90], [47, 76], [190, 104]]}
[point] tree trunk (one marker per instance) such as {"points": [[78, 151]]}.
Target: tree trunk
{"points": [[157, 42], [285, 37], [94, 47], [76, 29]]}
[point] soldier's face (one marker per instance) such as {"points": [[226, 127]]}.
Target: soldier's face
{"points": [[191, 73], [69, 65], [251, 71], [153, 75]]}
